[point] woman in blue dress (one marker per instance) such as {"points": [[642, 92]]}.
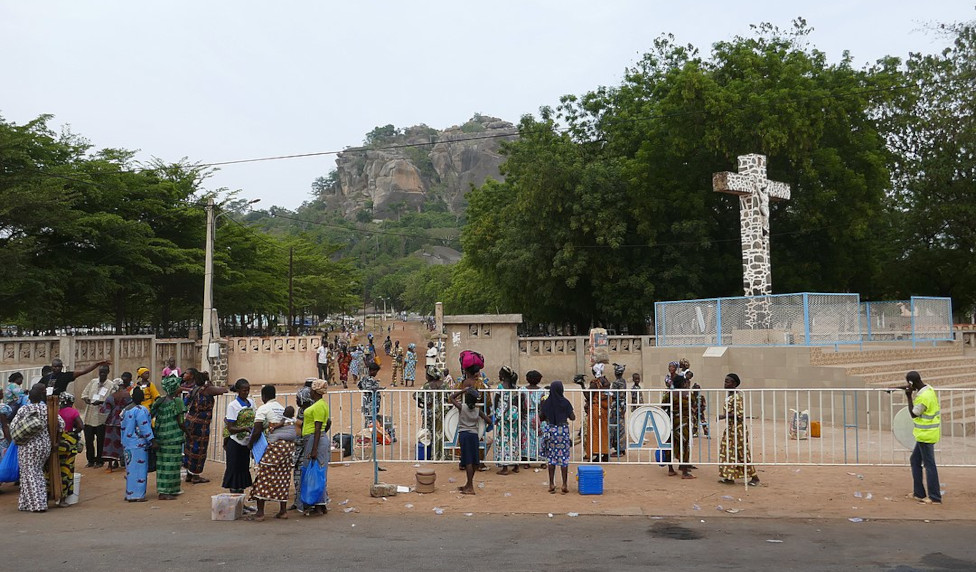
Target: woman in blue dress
{"points": [[410, 366], [137, 440]]}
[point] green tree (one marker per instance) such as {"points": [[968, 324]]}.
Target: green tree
{"points": [[932, 130], [607, 202]]}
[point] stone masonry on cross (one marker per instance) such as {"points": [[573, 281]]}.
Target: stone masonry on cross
{"points": [[754, 191]]}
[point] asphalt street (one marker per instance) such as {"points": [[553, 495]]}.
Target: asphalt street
{"points": [[456, 542]]}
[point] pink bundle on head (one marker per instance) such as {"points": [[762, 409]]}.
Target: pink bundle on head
{"points": [[470, 358]]}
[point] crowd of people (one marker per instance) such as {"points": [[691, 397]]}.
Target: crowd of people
{"points": [[128, 424]]}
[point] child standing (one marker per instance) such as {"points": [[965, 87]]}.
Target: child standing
{"points": [[468, 416]]}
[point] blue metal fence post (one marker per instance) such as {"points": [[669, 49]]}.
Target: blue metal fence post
{"points": [[718, 321], [868, 306], [806, 318], [912, 312]]}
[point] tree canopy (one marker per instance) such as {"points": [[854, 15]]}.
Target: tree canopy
{"points": [[89, 238]]}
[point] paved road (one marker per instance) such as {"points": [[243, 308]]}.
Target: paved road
{"points": [[498, 542]]}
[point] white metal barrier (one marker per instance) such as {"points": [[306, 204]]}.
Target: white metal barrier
{"points": [[631, 427]]}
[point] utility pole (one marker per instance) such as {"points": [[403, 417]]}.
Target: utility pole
{"points": [[291, 292], [207, 326]]}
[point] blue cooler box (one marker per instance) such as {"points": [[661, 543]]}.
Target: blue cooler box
{"points": [[590, 479]]}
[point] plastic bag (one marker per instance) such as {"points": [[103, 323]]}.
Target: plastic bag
{"points": [[260, 446], [9, 468], [799, 424], [313, 483]]}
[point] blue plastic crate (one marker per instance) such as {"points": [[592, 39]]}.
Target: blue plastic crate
{"points": [[590, 479]]}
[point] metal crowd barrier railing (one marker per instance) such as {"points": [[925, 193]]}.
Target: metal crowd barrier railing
{"points": [[780, 426]]}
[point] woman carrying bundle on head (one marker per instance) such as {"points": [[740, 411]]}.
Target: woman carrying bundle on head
{"points": [[597, 407]]}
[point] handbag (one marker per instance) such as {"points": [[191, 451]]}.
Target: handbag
{"points": [[27, 427], [313, 483], [9, 467]]}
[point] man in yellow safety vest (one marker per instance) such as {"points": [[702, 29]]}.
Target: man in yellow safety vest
{"points": [[923, 404]]}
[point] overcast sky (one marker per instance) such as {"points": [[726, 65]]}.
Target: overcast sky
{"points": [[225, 80]]}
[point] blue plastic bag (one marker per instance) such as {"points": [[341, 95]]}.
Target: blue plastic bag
{"points": [[260, 446], [313, 483], [9, 468]]}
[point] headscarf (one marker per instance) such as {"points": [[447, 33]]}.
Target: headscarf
{"points": [[65, 399], [171, 384], [411, 347], [508, 373], [303, 397], [598, 369], [618, 369], [141, 371], [433, 372], [319, 386], [556, 407], [673, 364], [735, 378]]}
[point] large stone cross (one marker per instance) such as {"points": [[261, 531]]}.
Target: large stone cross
{"points": [[754, 191]]}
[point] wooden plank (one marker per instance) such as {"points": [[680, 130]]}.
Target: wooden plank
{"points": [[53, 463]]}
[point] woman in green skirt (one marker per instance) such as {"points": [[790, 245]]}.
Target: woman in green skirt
{"points": [[170, 433]]}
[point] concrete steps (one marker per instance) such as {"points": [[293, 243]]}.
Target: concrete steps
{"points": [[944, 367], [881, 354]]}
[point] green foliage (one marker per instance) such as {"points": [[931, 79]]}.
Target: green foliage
{"points": [[381, 136], [932, 129], [597, 220], [89, 238]]}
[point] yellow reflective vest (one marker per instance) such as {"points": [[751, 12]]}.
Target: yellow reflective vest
{"points": [[927, 425]]}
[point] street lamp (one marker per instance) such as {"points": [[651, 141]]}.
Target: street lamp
{"points": [[208, 310]]}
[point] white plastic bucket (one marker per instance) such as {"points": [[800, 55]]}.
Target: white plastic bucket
{"points": [[73, 497]]}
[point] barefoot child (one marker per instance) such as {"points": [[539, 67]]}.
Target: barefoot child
{"points": [[468, 416], [557, 412]]}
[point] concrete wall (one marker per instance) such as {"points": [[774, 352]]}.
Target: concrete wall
{"points": [[274, 360], [127, 353]]}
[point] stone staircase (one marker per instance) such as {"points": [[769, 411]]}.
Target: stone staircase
{"points": [[944, 367]]}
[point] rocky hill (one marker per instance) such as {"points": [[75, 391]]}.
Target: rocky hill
{"points": [[416, 168]]}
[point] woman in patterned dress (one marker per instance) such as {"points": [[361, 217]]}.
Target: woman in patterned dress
{"points": [[533, 428], [170, 433], [303, 398], [33, 455], [733, 454], [113, 452], [410, 366], [69, 444], [681, 421], [199, 416], [433, 405], [506, 421], [345, 362], [273, 481], [556, 411], [397, 354]]}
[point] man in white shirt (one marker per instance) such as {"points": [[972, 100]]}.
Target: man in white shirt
{"points": [[431, 355], [94, 396], [322, 357]]}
